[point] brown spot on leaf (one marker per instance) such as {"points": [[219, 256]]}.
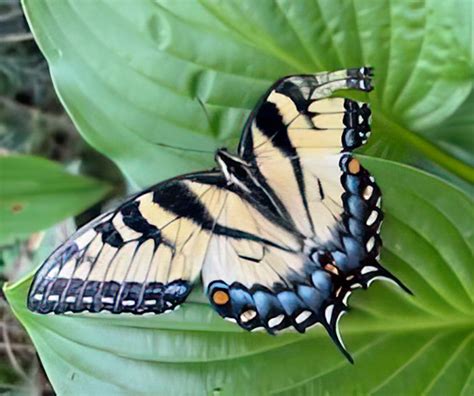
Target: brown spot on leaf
{"points": [[16, 207]]}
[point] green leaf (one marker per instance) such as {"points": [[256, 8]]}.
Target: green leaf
{"points": [[36, 193], [401, 344], [454, 135], [132, 74]]}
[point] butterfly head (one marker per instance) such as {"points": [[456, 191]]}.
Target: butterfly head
{"points": [[235, 170]]}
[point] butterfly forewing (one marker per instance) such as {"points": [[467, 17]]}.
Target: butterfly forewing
{"points": [[142, 257]]}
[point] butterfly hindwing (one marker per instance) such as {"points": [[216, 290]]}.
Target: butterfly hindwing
{"points": [[254, 264]]}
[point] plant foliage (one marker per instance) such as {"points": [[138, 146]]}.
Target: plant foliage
{"points": [[37, 193], [135, 76]]}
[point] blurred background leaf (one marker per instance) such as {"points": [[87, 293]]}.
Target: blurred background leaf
{"points": [[24, 374], [37, 193], [139, 77], [32, 121]]}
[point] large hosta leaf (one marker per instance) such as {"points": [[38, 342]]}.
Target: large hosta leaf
{"points": [[137, 75], [401, 344], [186, 73], [36, 193]]}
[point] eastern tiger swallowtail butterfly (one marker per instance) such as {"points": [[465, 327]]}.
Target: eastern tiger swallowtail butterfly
{"points": [[281, 233]]}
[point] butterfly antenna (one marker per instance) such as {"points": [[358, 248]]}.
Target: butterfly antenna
{"points": [[203, 107], [208, 117], [184, 148]]}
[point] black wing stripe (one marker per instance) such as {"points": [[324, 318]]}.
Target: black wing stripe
{"points": [[295, 162], [266, 202], [292, 90], [120, 294], [133, 218], [80, 295], [270, 122], [183, 202], [109, 234], [190, 206]]}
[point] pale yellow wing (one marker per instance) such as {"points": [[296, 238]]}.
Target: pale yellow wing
{"points": [[141, 257], [297, 138]]}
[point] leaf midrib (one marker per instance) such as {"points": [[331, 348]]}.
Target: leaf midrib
{"points": [[97, 188], [452, 325], [431, 150], [246, 354], [401, 326]]}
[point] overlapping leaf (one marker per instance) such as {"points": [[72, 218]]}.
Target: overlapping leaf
{"points": [[36, 193]]}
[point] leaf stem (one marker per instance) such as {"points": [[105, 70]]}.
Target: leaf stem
{"points": [[432, 151]]}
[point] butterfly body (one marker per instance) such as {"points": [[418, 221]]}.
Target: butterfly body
{"points": [[281, 232]]}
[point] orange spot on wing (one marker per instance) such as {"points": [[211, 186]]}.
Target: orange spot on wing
{"points": [[331, 268], [354, 166], [220, 297]]}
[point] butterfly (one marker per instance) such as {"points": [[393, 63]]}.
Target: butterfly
{"points": [[280, 233]]}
